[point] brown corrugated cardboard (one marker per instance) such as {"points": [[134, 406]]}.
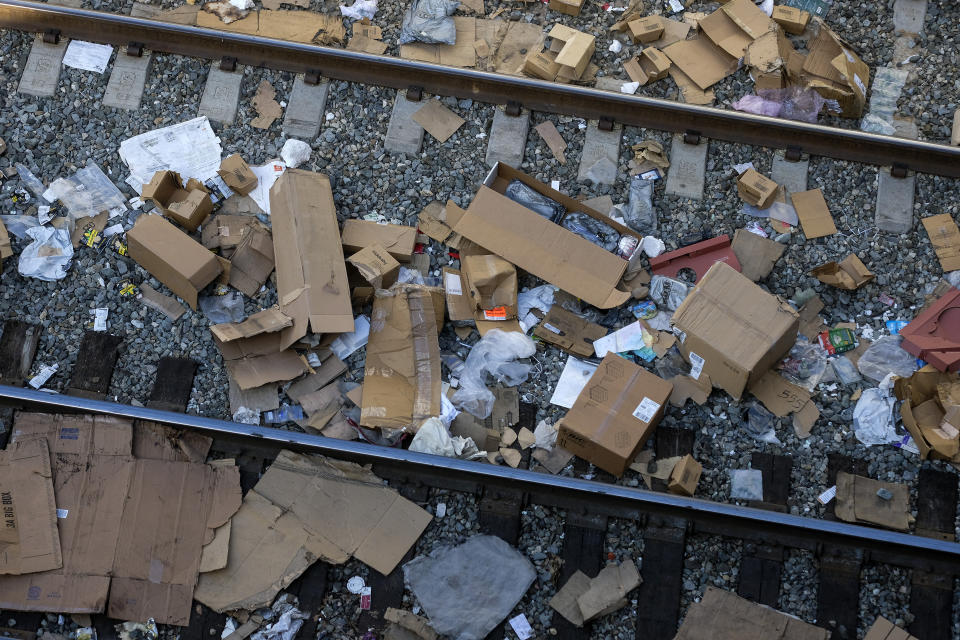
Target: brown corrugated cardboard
{"points": [[439, 121], [883, 629], [267, 321], [432, 221], [252, 261], [376, 266], [835, 72], [649, 66], [646, 30], [945, 238], [261, 345], [814, 214], [757, 189], [237, 174], [685, 476], [702, 61], [735, 25], [569, 331], [311, 275], [155, 441], [733, 330], [284, 525], [321, 377], [492, 289], [569, 7], [539, 246], [29, 542], [848, 274], [398, 240], [783, 398], [401, 384], [5, 250], [575, 48], [225, 231], [721, 615], [172, 257], [792, 20], [756, 254], [257, 371], [187, 207], [459, 305], [857, 501], [582, 599], [614, 415], [930, 423]]}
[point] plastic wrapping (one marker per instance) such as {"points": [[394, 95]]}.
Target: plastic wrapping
{"points": [[873, 418], [627, 246], [537, 298], [668, 293], [884, 357], [746, 484], [19, 225], [760, 424], [48, 256], [31, 181], [639, 213], [805, 365], [225, 308], [495, 355], [792, 103], [434, 437], [294, 153], [593, 230], [672, 364], [360, 9], [874, 124], [846, 371], [429, 21], [535, 201], [87, 192]]}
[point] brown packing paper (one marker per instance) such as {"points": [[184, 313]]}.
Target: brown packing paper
{"points": [[401, 385], [569, 331], [857, 501], [814, 214], [945, 238], [29, 541], [283, 526], [438, 120], [757, 255], [849, 274]]}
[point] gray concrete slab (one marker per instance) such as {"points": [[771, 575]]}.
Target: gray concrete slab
{"points": [[508, 138], [221, 95], [688, 168], [404, 134], [908, 15], [42, 71], [305, 109], [894, 211], [601, 155], [127, 79]]}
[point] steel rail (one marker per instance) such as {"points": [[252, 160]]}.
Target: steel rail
{"points": [[917, 551], [353, 66]]}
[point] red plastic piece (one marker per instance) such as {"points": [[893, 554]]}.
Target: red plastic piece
{"points": [[934, 335], [697, 257]]}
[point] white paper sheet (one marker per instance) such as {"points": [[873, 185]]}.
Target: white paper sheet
{"points": [[190, 148], [266, 174], [572, 380], [87, 56], [630, 338]]}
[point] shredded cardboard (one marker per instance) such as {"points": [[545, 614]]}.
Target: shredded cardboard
{"points": [[268, 109]]}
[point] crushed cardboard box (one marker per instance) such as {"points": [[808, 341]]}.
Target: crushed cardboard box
{"points": [[722, 615], [252, 261], [225, 231], [30, 541], [569, 332], [757, 189], [186, 206], [757, 255], [283, 527], [929, 400], [647, 67], [398, 240], [834, 71], [849, 274], [735, 25], [492, 288], [236, 173], [685, 476], [783, 398], [582, 599], [376, 266]]}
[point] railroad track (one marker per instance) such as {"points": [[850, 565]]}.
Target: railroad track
{"points": [[668, 523]]}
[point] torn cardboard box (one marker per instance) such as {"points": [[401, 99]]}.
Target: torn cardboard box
{"points": [[236, 172], [30, 541], [267, 321], [187, 207], [252, 261], [376, 266], [945, 238], [582, 599], [398, 240], [701, 61], [256, 371], [539, 246], [733, 330], [735, 25], [685, 476], [283, 527], [492, 287], [849, 274], [757, 255], [858, 501], [401, 384], [722, 615], [783, 398], [834, 71], [172, 257], [928, 413], [432, 221], [793, 20], [225, 231], [615, 414], [569, 332], [312, 285], [649, 66], [757, 189]]}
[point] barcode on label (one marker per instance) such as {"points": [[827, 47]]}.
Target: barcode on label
{"points": [[646, 410], [451, 282], [696, 366], [827, 495], [62, 513]]}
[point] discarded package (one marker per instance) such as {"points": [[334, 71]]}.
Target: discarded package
{"points": [[429, 21], [87, 193], [237, 174], [756, 189], [930, 412], [447, 581], [849, 274], [835, 341], [836, 72], [433, 437], [492, 283], [581, 599], [495, 355], [639, 213], [722, 615], [685, 476], [646, 30], [188, 207], [885, 356], [48, 256]]}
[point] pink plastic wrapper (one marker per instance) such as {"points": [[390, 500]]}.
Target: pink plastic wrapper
{"points": [[792, 103]]}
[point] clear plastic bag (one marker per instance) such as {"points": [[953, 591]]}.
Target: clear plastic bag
{"points": [[429, 21], [668, 293], [19, 225], [87, 193], [225, 308], [846, 371], [805, 365], [873, 418], [792, 103], [885, 356], [639, 213], [746, 484], [537, 298], [31, 181], [48, 256], [495, 355], [760, 424], [593, 230], [360, 9], [535, 201]]}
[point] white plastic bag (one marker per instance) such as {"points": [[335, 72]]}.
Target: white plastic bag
{"points": [[360, 9], [873, 418], [294, 153], [495, 355], [433, 437], [884, 357], [48, 256]]}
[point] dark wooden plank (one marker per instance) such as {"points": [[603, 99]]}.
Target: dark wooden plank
{"points": [[93, 369], [662, 573], [106, 627], [6, 425], [583, 542], [931, 603], [776, 471], [760, 569], [172, 386], [310, 588], [500, 514], [674, 441], [838, 598], [23, 620], [936, 504], [205, 624], [18, 346]]}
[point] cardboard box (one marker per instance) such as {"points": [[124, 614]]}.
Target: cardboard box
{"points": [[252, 261], [702, 61], [30, 541], [569, 331], [401, 384], [850, 273], [722, 615], [237, 174], [376, 266], [538, 246], [615, 414], [569, 7], [187, 207], [541, 64], [923, 413], [836, 72], [733, 330], [756, 189], [646, 30], [573, 48], [284, 526], [492, 289], [172, 257], [312, 286], [792, 20], [735, 25], [649, 66], [460, 307], [398, 240], [685, 476]]}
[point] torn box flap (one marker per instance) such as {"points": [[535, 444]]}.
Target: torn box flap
{"points": [[267, 321]]}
